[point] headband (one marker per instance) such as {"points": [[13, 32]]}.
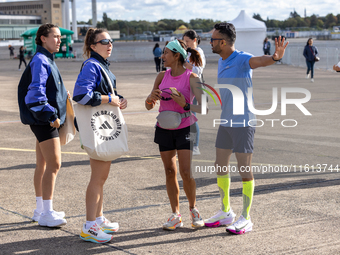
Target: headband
{"points": [[175, 46]]}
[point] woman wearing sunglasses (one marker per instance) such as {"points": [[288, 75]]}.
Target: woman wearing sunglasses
{"points": [[176, 88], [93, 89]]}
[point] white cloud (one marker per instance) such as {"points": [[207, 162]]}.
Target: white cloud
{"points": [[153, 10]]}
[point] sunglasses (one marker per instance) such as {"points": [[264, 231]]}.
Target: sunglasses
{"points": [[214, 39], [105, 41]]}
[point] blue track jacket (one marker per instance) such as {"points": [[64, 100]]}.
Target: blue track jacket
{"points": [[41, 92], [91, 82]]}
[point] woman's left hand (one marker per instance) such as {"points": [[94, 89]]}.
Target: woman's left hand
{"points": [[180, 100], [280, 48], [123, 103]]}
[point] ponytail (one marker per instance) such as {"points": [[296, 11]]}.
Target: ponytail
{"points": [[195, 57], [90, 39]]}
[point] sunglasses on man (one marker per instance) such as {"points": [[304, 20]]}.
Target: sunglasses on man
{"points": [[214, 39], [105, 41]]}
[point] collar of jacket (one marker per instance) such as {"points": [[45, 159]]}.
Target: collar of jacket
{"points": [[101, 60], [42, 50]]}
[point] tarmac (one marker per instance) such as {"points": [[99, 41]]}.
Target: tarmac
{"points": [[296, 202]]}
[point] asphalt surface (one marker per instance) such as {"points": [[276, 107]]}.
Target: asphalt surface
{"points": [[296, 203]]}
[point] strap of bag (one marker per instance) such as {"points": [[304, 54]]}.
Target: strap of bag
{"points": [[312, 51], [105, 73], [185, 114]]}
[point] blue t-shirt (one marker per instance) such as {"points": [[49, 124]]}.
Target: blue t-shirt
{"points": [[235, 70]]}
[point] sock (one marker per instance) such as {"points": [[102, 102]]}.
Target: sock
{"points": [[247, 195], [48, 206], [100, 219], [223, 183], [89, 224], [39, 202]]}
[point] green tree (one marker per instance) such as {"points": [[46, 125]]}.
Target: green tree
{"points": [[257, 16], [294, 14], [313, 20], [330, 20], [319, 24]]}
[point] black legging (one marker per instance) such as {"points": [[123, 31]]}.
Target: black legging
{"points": [[158, 64], [22, 60]]}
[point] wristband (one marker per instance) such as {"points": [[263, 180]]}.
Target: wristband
{"points": [[275, 59], [110, 98], [52, 121], [148, 102]]}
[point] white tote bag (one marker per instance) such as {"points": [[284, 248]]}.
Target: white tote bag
{"points": [[102, 129], [68, 130]]}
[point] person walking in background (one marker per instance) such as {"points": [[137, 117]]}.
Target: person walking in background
{"points": [[235, 68], [22, 51], [310, 53], [42, 103], [70, 50], [192, 40], [93, 88], [175, 88], [157, 52], [63, 50], [11, 51], [266, 47]]}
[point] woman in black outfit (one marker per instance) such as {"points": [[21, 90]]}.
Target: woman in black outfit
{"points": [[22, 56]]}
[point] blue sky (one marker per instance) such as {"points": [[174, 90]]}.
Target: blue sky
{"points": [[153, 10]]}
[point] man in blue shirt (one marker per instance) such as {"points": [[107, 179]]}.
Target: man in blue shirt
{"points": [[236, 133]]}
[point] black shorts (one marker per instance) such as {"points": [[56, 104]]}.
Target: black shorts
{"points": [[179, 139], [44, 132]]}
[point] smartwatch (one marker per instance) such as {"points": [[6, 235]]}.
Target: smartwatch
{"points": [[187, 107]]}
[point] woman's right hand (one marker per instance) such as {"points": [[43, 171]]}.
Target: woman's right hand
{"points": [[115, 101], [155, 95]]}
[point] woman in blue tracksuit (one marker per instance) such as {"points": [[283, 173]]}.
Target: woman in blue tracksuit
{"points": [[310, 52], [93, 89], [42, 103]]}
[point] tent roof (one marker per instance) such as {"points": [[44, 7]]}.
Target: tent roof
{"points": [[33, 31], [181, 30], [243, 22]]}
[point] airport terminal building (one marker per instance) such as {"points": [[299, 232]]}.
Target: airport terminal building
{"points": [[17, 17]]}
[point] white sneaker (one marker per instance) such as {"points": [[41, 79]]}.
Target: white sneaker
{"points": [[240, 226], [51, 219], [94, 234], [196, 151], [36, 215], [307, 76], [196, 220], [312, 80], [175, 221], [220, 218], [108, 226]]}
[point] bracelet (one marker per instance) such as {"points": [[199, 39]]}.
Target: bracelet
{"points": [[275, 59], [146, 101], [110, 98]]}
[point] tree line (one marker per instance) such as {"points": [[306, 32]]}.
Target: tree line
{"points": [[299, 23], [138, 27]]}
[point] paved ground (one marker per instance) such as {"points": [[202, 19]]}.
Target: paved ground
{"points": [[294, 212]]}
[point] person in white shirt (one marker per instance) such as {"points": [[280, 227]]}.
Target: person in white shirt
{"points": [[192, 40]]}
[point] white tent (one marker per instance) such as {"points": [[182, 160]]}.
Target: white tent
{"points": [[250, 34]]}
